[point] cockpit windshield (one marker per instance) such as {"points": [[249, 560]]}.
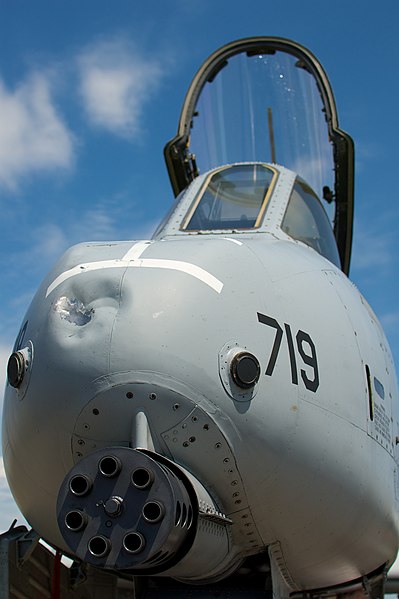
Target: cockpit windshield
{"points": [[305, 220], [232, 198]]}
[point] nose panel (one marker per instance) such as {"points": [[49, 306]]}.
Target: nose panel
{"points": [[109, 418]]}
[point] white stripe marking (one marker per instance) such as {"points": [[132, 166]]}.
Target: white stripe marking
{"points": [[188, 268], [81, 268], [137, 250], [132, 260], [233, 240]]}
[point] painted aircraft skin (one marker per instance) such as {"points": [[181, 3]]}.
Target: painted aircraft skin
{"points": [[178, 404]]}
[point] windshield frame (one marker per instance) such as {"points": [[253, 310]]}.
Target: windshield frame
{"points": [[205, 186]]}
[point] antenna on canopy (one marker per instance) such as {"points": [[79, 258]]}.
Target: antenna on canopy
{"points": [[271, 135]]}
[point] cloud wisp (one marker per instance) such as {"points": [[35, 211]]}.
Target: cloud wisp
{"points": [[33, 135], [373, 251], [115, 83], [390, 320]]}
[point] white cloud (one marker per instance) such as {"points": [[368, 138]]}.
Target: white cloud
{"points": [[96, 223], [371, 250], [116, 82], [366, 256], [33, 136], [49, 241], [390, 320]]}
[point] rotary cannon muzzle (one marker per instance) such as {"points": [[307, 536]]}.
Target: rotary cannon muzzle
{"points": [[135, 511], [120, 509]]}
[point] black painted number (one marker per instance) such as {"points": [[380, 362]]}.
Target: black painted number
{"points": [[305, 347]]}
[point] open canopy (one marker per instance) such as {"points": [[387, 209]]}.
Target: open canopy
{"points": [[267, 99]]}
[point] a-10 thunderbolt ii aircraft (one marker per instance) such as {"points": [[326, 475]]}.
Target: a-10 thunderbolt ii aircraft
{"points": [[219, 402]]}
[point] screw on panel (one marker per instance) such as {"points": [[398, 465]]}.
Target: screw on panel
{"points": [[152, 396], [129, 395]]}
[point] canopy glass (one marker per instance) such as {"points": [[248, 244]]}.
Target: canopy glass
{"points": [[267, 100], [264, 108]]}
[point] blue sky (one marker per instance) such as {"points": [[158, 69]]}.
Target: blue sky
{"points": [[90, 91]]}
